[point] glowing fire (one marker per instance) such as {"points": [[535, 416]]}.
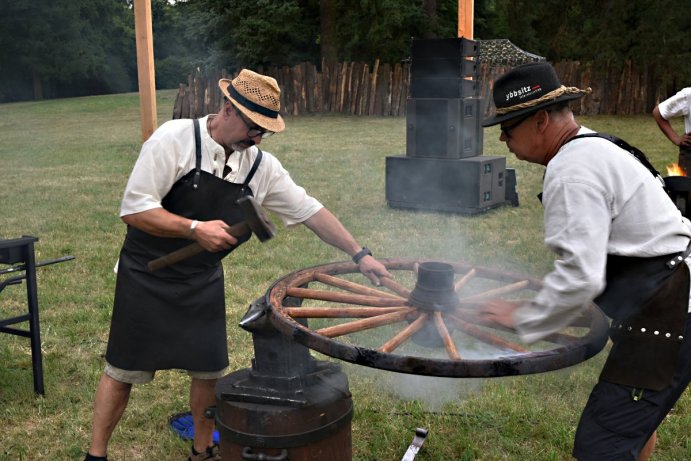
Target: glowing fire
{"points": [[675, 170]]}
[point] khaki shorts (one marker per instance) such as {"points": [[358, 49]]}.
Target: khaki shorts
{"points": [[143, 377]]}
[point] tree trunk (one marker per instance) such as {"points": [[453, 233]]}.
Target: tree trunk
{"points": [[327, 31], [38, 86], [430, 7]]}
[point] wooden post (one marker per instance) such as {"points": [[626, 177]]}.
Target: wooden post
{"points": [[145, 66], [465, 18]]}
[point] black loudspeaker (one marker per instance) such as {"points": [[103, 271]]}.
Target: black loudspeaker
{"points": [[467, 186], [442, 87], [441, 68], [443, 128], [444, 48], [435, 67]]}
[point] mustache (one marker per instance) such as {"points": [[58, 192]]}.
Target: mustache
{"points": [[243, 144]]}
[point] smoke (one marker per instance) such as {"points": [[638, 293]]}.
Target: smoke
{"points": [[433, 392]]}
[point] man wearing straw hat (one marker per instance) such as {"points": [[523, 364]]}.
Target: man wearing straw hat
{"points": [[621, 242], [184, 187]]}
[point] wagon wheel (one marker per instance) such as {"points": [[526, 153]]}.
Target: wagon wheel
{"points": [[334, 310]]}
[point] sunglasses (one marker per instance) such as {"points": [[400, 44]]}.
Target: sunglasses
{"points": [[253, 130], [507, 129]]}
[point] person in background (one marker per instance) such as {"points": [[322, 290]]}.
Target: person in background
{"points": [[184, 188], [621, 242], [678, 105]]}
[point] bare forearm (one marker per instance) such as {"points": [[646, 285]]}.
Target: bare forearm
{"points": [[211, 235], [160, 222], [666, 127], [331, 230]]}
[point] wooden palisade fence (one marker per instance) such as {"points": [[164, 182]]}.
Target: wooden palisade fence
{"points": [[356, 89]]}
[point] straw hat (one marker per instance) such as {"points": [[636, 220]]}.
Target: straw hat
{"points": [[526, 89], [257, 96]]}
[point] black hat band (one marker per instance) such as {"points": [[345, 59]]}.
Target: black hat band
{"points": [[253, 106]]}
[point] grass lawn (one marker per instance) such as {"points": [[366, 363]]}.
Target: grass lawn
{"points": [[65, 164]]}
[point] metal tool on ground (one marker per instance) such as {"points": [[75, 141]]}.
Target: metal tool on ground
{"points": [[416, 444], [255, 221]]}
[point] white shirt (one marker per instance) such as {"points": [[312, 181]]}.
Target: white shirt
{"points": [[677, 106], [169, 154], [598, 200]]}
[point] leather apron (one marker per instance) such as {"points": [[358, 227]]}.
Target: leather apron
{"points": [[647, 299], [174, 318]]}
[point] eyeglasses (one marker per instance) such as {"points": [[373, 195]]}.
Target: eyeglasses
{"points": [[507, 129], [253, 130]]}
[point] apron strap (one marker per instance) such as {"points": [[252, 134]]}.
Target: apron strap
{"points": [[198, 154], [250, 175]]}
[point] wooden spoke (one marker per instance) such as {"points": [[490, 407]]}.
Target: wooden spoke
{"points": [[340, 312], [464, 280], [353, 287], [365, 324], [405, 334], [506, 289], [563, 339], [348, 298], [446, 337], [394, 286], [484, 336]]}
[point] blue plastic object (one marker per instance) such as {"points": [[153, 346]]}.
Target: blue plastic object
{"points": [[183, 425]]}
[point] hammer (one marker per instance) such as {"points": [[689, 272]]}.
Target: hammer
{"points": [[255, 221]]}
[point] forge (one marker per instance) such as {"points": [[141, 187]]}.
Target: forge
{"points": [[289, 405]]}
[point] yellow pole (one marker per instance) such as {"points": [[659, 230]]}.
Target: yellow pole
{"points": [[465, 18], [145, 66]]}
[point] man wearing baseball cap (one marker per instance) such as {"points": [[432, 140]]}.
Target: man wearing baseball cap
{"points": [[183, 188], [621, 242]]}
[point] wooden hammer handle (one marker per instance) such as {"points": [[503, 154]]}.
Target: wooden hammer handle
{"points": [[191, 249]]}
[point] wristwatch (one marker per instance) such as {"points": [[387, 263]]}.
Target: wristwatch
{"points": [[193, 226], [361, 254]]}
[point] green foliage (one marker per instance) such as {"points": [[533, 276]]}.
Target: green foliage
{"points": [[48, 45], [649, 33], [179, 47], [257, 32], [57, 48], [251, 33]]}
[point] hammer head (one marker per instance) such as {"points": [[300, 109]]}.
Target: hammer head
{"points": [[256, 219]]}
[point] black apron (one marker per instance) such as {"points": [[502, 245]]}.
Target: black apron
{"points": [[647, 299], [175, 317]]}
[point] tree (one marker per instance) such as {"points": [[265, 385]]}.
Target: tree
{"points": [[293, 31], [327, 31], [177, 51], [66, 47], [252, 33]]}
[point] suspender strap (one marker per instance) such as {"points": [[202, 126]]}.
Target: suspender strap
{"points": [[640, 156], [198, 160], [198, 154], [250, 175]]}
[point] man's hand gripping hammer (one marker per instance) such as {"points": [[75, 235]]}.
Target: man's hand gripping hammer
{"points": [[255, 221]]}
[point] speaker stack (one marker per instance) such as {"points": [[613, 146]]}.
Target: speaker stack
{"points": [[444, 169]]}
